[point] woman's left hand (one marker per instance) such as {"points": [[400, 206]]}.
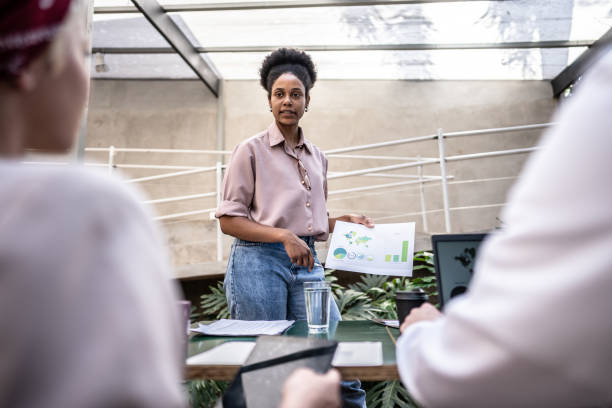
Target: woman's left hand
{"points": [[358, 219], [354, 218]]}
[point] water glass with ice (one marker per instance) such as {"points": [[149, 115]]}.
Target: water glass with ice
{"points": [[318, 299]]}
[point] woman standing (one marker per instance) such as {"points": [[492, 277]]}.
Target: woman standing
{"points": [[274, 195]]}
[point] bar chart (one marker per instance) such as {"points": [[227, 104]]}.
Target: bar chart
{"points": [[396, 258]]}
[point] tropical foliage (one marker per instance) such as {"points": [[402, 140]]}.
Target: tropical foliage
{"points": [[204, 394], [373, 296], [213, 305], [388, 394]]}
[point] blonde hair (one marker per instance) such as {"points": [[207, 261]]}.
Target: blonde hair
{"points": [[56, 53]]}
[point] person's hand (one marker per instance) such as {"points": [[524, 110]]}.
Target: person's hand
{"points": [[425, 312], [359, 219], [307, 389], [298, 250]]}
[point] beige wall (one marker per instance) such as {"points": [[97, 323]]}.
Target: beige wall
{"points": [[165, 115], [183, 115]]}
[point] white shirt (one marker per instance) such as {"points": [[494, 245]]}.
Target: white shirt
{"points": [[535, 328], [87, 310]]}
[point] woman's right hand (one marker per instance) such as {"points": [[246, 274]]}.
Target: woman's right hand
{"points": [[243, 228], [298, 250]]}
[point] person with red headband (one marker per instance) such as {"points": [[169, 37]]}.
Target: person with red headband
{"points": [[87, 308]]}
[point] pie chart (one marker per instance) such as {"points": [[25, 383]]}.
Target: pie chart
{"points": [[340, 253]]}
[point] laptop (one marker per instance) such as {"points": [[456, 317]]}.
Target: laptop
{"points": [[454, 258]]}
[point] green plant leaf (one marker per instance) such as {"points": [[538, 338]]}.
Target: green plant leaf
{"points": [[389, 394], [204, 393], [214, 304]]}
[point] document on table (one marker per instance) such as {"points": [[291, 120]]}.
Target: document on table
{"points": [[230, 353], [227, 327], [386, 249], [363, 353], [386, 322]]}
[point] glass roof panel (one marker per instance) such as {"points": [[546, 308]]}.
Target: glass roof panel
{"points": [[112, 3], [415, 65], [437, 23], [125, 30], [143, 66], [131, 30], [475, 22], [115, 3], [196, 2], [418, 65]]}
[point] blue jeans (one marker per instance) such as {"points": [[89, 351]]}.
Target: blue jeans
{"points": [[261, 283]]}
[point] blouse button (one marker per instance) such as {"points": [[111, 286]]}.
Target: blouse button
{"points": [[308, 204], [309, 228], [303, 182]]}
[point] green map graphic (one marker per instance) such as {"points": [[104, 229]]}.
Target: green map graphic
{"points": [[352, 238]]}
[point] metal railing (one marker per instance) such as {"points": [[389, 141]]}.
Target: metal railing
{"points": [[380, 172]]}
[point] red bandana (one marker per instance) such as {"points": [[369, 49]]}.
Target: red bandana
{"points": [[26, 28]]}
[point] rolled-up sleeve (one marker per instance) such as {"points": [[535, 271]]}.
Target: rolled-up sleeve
{"points": [[238, 184]]}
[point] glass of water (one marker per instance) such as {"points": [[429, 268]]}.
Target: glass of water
{"points": [[318, 298]]}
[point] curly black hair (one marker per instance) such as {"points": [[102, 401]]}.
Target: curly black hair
{"points": [[286, 60]]}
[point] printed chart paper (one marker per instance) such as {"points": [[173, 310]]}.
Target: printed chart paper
{"points": [[386, 249]]}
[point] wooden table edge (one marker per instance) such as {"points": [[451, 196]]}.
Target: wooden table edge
{"points": [[227, 372]]}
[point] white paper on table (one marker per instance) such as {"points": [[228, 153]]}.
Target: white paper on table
{"points": [[359, 354], [227, 327], [385, 322], [230, 353], [386, 249]]}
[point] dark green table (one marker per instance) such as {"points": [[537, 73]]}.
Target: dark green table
{"points": [[362, 330]]}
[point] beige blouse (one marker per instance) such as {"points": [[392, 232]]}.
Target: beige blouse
{"points": [[272, 184]]}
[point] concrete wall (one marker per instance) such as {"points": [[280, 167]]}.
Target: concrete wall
{"points": [[164, 115], [183, 115]]}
